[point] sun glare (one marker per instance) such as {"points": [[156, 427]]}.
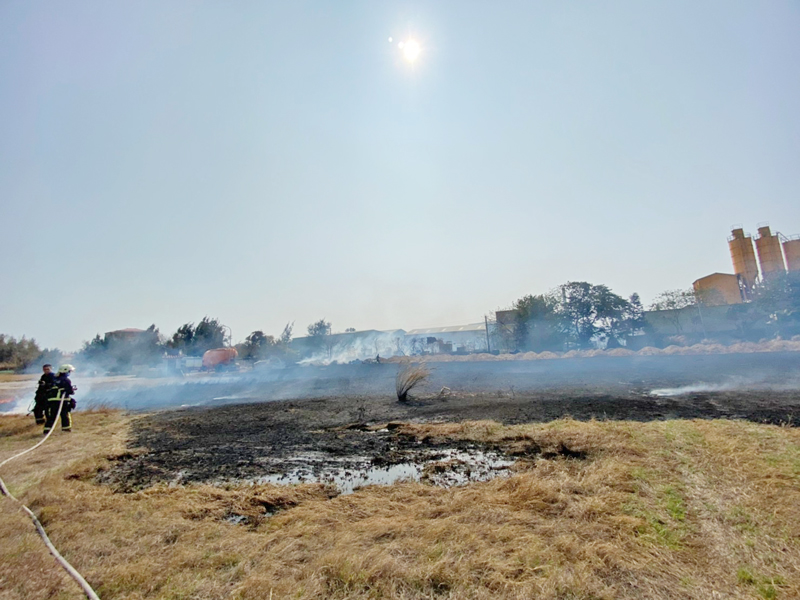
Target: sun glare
{"points": [[410, 50]]}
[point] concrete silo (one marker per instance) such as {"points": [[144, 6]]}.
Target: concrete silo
{"points": [[770, 255], [791, 249], [744, 258]]}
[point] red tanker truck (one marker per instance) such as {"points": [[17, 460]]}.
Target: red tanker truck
{"points": [[219, 358]]}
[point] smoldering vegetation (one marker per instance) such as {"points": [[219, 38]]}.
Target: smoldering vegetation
{"points": [[623, 380], [619, 377]]}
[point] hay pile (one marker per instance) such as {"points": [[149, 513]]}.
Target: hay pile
{"points": [[707, 347]]}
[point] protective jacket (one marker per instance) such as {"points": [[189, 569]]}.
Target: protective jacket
{"points": [[46, 383], [61, 388]]}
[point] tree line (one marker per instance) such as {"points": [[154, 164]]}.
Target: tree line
{"points": [[19, 354], [573, 315], [576, 314]]}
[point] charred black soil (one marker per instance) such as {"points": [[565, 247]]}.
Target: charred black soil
{"points": [[256, 441]]}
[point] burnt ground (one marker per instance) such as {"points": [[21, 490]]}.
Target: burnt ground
{"points": [[261, 438]]}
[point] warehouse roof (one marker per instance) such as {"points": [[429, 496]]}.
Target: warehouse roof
{"points": [[472, 327]]}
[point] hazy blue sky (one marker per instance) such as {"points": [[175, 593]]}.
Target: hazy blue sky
{"points": [[270, 162]]}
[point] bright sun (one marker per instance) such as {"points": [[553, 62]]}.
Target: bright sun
{"points": [[410, 50]]}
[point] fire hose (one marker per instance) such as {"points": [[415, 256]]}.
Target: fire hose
{"points": [[87, 589]]}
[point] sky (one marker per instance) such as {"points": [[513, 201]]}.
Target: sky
{"points": [[272, 162]]}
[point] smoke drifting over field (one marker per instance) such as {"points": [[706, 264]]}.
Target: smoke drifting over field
{"points": [[368, 347], [621, 378]]}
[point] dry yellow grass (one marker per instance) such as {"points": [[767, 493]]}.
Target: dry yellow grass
{"points": [[676, 509], [792, 345]]}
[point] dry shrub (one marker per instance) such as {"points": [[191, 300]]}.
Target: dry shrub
{"points": [[408, 377]]}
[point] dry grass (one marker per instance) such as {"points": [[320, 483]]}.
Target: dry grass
{"points": [[703, 348], [688, 509], [13, 377], [408, 377]]}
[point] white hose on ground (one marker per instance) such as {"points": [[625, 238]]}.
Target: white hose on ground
{"points": [[87, 589]]}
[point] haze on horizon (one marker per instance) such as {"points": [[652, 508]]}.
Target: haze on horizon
{"points": [[271, 162]]}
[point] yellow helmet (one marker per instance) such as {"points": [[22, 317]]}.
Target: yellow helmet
{"points": [[65, 368]]}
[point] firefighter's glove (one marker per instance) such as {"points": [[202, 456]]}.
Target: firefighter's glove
{"points": [[72, 404]]}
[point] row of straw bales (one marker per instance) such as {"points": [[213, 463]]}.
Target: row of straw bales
{"points": [[792, 345]]}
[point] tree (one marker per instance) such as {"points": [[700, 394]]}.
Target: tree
{"points": [[194, 341], [182, 339], [595, 313], [208, 334], [673, 300], [538, 324], [17, 354], [319, 329], [121, 354], [257, 346], [286, 336], [632, 322], [778, 301]]}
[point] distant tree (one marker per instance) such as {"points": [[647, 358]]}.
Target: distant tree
{"points": [[183, 339], [350, 330], [17, 354], [194, 341], [576, 313], [538, 323], [595, 313], [52, 356], [94, 350], [674, 301], [630, 323], [319, 329], [778, 302], [122, 354], [257, 346], [286, 336], [208, 334]]}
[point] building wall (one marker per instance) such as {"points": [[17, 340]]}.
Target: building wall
{"points": [[692, 320], [718, 289]]}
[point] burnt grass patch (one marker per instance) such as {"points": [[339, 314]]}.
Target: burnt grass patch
{"points": [[246, 442]]}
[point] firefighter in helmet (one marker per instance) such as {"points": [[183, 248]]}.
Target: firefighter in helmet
{"points": [[46, 382], [60, 394]]}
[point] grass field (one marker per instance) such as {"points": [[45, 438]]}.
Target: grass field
{"points": [[667, 509]]}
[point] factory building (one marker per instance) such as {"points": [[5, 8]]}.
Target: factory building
{"points": [[718, 289], [791, 250], [743, 257], [469, 338], [772, 255]]}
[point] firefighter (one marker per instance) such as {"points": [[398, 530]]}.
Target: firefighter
{"points": [[60, 395], [46, 382]]}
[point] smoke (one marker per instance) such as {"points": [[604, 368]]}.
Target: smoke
{"points": [[657, 376], [694, 388], [357, 349], [733, 384], [18, 405]]}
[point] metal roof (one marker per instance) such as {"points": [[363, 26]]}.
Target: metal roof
{"points": [[472, 327]]}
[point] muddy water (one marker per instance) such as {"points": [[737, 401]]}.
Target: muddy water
{"points": [[446, 468]]}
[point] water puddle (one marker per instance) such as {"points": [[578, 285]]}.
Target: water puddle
{"points": [[446, 468]]}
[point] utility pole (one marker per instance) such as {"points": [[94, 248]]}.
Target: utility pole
{"points": [[488, 345]]}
